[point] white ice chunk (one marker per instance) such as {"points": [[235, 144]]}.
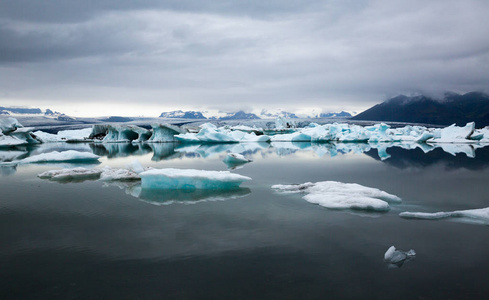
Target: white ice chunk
{"points": [[190, 179], [69, 174], [454, 134], [471, 216], [236, 158], [9, 124], [8, 141], [112, 174], [64, 156], [396, 258], [78, 135], [338, 195]]}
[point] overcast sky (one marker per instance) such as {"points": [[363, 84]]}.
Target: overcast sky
{"points": [[122, 57]]}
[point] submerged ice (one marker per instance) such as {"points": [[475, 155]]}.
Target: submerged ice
{"points": [[190, 179], [63, 156], [471, 216], [338, 195]]}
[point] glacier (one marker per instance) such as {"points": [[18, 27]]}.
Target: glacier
{"points": [[338, 195], [190, 179], [396, 258], [472, 216]]}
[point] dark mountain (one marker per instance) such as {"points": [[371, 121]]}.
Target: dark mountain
{"points": [[178, 114], [342, 114], [453, 108], [240, 115]]}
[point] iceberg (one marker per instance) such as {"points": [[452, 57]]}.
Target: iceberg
{"points": [[64, 156], [125, 134], [190, 179], [396, 258], [74, 174], [471, 216], [12, 133], [338, 195], [454, 134], [9, 124], [164, 133]]}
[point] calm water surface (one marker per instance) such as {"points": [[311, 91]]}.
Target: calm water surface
{"points": [[93, 240]]}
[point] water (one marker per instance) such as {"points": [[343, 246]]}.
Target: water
{"points": [[98, 241]]}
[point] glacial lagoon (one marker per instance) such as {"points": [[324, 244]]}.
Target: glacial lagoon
{"points": [[96, 239]]}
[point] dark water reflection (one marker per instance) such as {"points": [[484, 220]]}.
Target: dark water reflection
{"points": [[100, 240]]}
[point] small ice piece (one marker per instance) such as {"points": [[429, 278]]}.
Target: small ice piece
{"points": [[111, 174], [471, 216], [64, 156], [338, 195], [236, 158], [190, 179], [396, 258], [71, 174]]}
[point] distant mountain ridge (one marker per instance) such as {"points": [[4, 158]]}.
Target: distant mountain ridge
{"points": [[342, 114], [453, 108], [20, 111]]}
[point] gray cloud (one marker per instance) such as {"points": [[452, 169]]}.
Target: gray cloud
{"points": [[210, 54]]}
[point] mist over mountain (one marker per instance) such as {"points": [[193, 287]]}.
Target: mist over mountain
{"points": [[452, 108]]}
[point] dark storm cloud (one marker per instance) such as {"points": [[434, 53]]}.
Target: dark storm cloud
{"points": [[247, 54], [67, 11]]}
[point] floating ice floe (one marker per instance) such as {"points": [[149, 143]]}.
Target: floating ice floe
{"points": [[396, 258], [55, 156], [190, 179], [338, 195], [471, 216], [71, 174], [77, 135], [234, 159], [132, 172]]}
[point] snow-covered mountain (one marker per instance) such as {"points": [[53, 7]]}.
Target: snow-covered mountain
{"points": [[240, 115], [272, 114], [34, 112], [179, 114]]}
